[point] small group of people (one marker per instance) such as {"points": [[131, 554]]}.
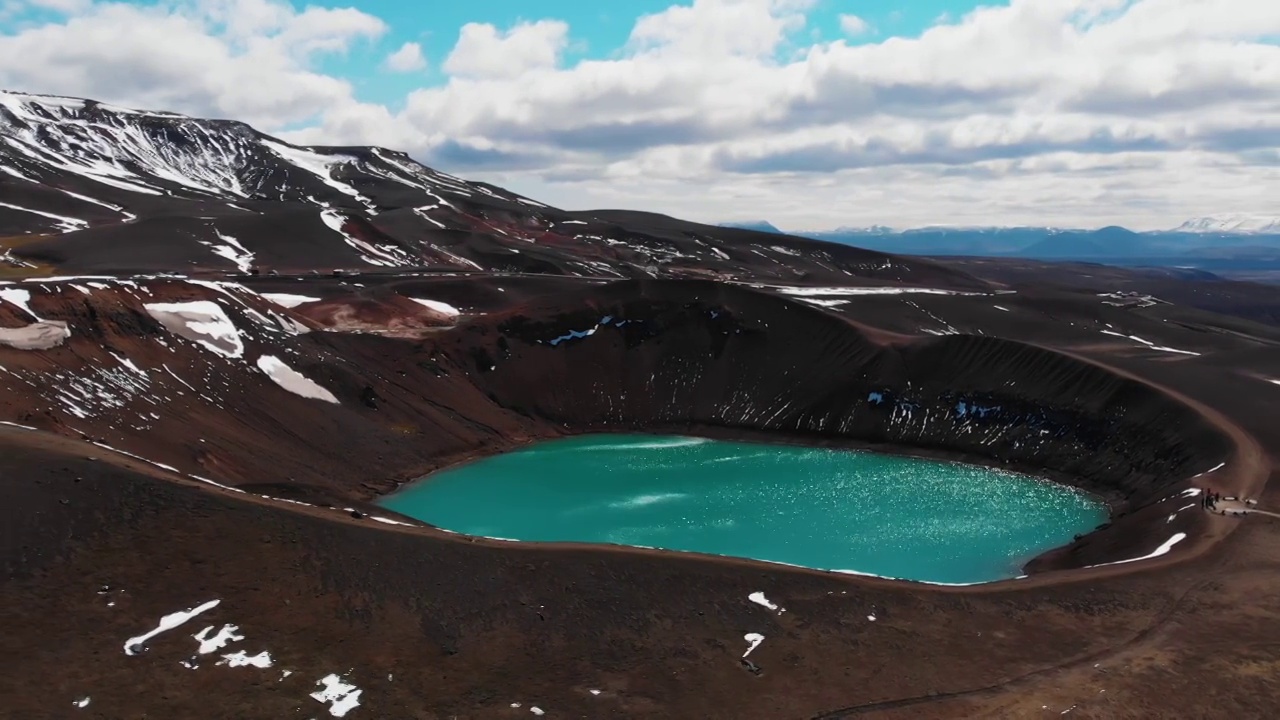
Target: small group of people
{"points": [[1209, 499], [1234, 507]]}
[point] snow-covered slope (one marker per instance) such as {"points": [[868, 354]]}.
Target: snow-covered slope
{"points": [[106, 189], [104, 150], [1232, 224]]}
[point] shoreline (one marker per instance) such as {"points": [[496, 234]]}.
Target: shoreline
{"points": [[764, 442], [515, 418], [1246, 460]]}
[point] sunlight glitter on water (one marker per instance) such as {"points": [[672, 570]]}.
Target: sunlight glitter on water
{"points": [[827, 509]]}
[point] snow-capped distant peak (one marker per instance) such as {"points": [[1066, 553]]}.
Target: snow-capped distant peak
{"points": [[46, 107], [869, 229], [1232, 224]]}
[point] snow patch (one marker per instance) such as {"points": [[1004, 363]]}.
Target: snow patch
{"points": [[1210, 471], [133, 645], [129, 364], [65, 224], [289, 300], [422, 213], [1163, 549], [1150, 345], [212, 644], [381, 255], [202, 321], [241, 659], [341, 697], [318, 165], [42, 335], [753, 642], [759, 599], [820, 302], [114, 208], [440, 307], [389, 521], [19, 297], [292, 380], [232, 250]]}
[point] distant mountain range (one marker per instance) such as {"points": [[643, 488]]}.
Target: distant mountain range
{"points": [[1234, 224], [1218, 238]]}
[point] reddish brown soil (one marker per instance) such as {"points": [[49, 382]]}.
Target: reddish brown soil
{"points": [[432, 625]]}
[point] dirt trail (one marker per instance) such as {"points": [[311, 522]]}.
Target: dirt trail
{"points": [[1240, 507]]}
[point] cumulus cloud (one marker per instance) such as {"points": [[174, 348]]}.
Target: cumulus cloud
{"points": [[852, 25], [62, 6], [251, 60], [407, 59], [720, 28], [484, 51], [1088, 111]]}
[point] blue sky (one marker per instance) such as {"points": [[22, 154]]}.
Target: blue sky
{"points": [[1079, 113], [597, 32]]}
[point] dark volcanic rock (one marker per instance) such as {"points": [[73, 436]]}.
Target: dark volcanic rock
{"points": [[196, 439], [149, 192], [660, 355], [666, 355]]}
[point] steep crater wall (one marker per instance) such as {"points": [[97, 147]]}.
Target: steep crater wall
{"points": [[666, 355], [649, 355]]}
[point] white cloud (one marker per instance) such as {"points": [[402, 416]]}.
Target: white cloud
{"points": [[718, 28], [483, 51], [407, 59], [250, 60], [62, 6], [1138, 112], [852, 25]]}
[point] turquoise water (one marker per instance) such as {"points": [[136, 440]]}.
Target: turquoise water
{"points": [[828, 509]]}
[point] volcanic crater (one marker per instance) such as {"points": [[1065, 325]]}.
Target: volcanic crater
{"points": [[208, 388]]}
